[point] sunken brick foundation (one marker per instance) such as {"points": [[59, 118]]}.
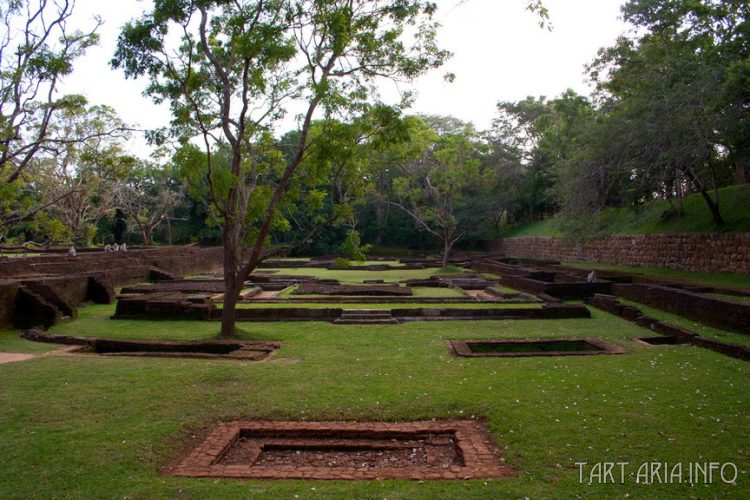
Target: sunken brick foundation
{"points": [[475, 456], [532, 347], [242, 350]]}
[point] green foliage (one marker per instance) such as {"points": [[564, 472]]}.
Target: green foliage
{"points": [[341, 263], [669, 118], [37, 51], [439, 176], [353, 248], [450, 270], [238, 68]]}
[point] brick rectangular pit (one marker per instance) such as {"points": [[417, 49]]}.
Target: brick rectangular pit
{"points": [[213, 349], [451, 449], [532, 347]]}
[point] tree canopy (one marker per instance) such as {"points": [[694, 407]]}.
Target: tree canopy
{"points": [[669, 116]]}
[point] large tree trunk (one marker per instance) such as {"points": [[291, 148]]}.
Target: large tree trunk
{"points": [[379, 219], [741, 173], [229, 311], [713, 207], [232, 280], [446, 250]]}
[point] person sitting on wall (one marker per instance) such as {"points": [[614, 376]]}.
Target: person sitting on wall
{"points": [[72, 251], [107, 247], [124, 247]]}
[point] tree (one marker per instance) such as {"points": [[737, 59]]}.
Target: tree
{"points": [[532, 143], [238, 66], [75, 181], [148, 195], [672, 92], [515, 139], [436, 175], [353, 248], [36, 51]]}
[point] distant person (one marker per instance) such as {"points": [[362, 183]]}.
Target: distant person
{"points": [[592, 277], [72, 251], [124, 247]]}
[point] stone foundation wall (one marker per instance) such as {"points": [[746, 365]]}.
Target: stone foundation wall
{"points": [[687, 252], [709, 310], [123, 267], [70, 278]]}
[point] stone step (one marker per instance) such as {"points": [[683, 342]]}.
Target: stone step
{"points": [[378, 321], [367, 311], [50, 296], [366, 315]]}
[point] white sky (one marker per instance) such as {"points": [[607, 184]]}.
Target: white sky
{"points": [[500, 54]]}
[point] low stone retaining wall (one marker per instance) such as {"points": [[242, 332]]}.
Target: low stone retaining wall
{"points": [[162, 306], [547, 311], [543, 284], [173, 307], [284, 314], [127, 266], [687, 252], [708, 310], [612, 305]]}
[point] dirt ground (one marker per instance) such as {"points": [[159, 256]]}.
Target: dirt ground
{"points": [[10, 357]]}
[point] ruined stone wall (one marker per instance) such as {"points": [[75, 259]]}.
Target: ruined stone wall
{"points": [[69, 278], [8, 292], [687, 252], [122, 267], [695, 306]]}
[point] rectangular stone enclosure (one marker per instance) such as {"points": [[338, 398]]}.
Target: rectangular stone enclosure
{"points": [[532, 347], [242, 350], [451, 449]]}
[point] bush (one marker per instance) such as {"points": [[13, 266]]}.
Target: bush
{"points": [[353, 248], [341, 262]]}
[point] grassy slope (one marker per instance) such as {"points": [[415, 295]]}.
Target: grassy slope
{"points": [[733, 203], [103, 427]]}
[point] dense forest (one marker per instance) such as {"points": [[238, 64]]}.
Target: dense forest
{"points": [[669, 117]]}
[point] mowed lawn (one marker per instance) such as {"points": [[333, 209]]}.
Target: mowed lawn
{"points": [[358, 276], [98, 427]]}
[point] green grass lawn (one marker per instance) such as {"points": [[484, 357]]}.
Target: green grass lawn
{"points": [[435, 292], [13, 255], [417, 291], [358, 277], [742, 299], [96, 427], [394, 263], [382, 305]]}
